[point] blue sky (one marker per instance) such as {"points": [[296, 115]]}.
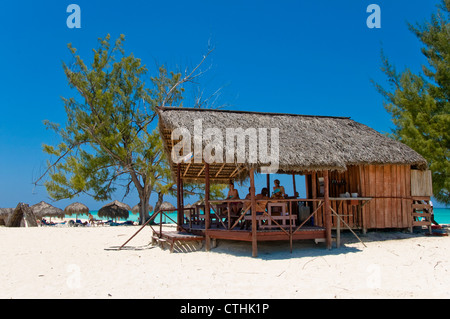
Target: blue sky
{"points": [[306, 57]]}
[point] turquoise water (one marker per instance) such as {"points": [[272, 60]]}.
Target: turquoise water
{"points": [[441, 215], [131, 217]]}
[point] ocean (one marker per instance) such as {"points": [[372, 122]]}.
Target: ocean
{"points": [[131, 217], [441, 215]]}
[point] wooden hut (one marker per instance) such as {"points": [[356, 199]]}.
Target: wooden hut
{"points": [[337, 156]]}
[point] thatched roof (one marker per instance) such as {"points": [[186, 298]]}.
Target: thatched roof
{"points": [[43, 209], [306, 143], [115, 209], [76, 209], [6, 211], [166, 206], [20, 213], [135, 209], [5, 214]]}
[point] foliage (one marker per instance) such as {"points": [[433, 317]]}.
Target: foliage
{"points": [[111, 138], [420, 103]]}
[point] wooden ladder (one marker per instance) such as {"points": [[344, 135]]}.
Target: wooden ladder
{"points": [[422, 211]]}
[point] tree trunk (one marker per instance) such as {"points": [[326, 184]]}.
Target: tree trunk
{"points": [[144, 208], [159, 202]]}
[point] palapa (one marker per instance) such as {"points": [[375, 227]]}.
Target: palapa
{"points": [[166, 206], [115, 210], [5, 213], [43, 209], [136, 208], [20, 213], [76, 209]]}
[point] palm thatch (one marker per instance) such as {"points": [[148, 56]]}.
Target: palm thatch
{"points": [[165, 206], [43, 209], [136, 208], [306, 143], [5, 213], [115, 210], [21, 213], [76, 209]]}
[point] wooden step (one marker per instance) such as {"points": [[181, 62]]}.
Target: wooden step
{"points": [[422, 223], [421, 206], [425, 215]]}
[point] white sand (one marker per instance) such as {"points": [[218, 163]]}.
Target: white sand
{"points": [[63, 262]]}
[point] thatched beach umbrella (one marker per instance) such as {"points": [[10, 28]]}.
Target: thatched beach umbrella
{"points": [[43, 209], [4, 215], [115, 210], [165, 206], [135, 209], [76, 209], [4, 212]]}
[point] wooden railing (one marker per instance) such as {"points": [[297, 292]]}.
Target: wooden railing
{"points": [[152, 218], [218, 205]]}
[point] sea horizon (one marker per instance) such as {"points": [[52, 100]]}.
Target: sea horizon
{"points": [[441, 216]]}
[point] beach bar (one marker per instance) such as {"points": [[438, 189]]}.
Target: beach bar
{"points": [[355, 177]]}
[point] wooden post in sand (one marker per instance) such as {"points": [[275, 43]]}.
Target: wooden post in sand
{"points": [[179, 205], [207, 221], [327, 209], [253, 203]]}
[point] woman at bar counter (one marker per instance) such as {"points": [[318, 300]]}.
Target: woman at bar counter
{"points": [[260, 205], [278, 190], [234, 194]]}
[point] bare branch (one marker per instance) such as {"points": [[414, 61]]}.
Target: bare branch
{"points": [[188, 77]]}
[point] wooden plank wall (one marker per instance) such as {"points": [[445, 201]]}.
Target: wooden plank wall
{"points": [[390, 188], [421, 183], [388, 185]]}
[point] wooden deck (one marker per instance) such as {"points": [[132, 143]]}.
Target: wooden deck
{"points": [[306, 232], [172, 237]]}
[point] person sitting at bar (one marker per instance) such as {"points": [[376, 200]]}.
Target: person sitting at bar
{"points": [[248, 196], [261, 204], [278, 190], [233, 193]]}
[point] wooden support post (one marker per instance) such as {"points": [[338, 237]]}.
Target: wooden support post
{"points": [[327, 209], [207, 208], [314, 188], [338, 231], [182, 203], [293, 182], [290, 223], [268, 183], [253, 205], [179, 205]]}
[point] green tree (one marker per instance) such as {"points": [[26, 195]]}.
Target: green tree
{"points": [[111, 138], [419, 103]]}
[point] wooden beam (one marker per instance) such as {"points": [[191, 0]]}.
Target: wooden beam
{"points": [[179, 212], [187, 168], [253, 205], [293, 182], [327, 209], [221, 168], [231, 175], [201, 171], [207, 239]]}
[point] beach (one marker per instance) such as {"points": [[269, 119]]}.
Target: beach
{"points": [[83, 262]]}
